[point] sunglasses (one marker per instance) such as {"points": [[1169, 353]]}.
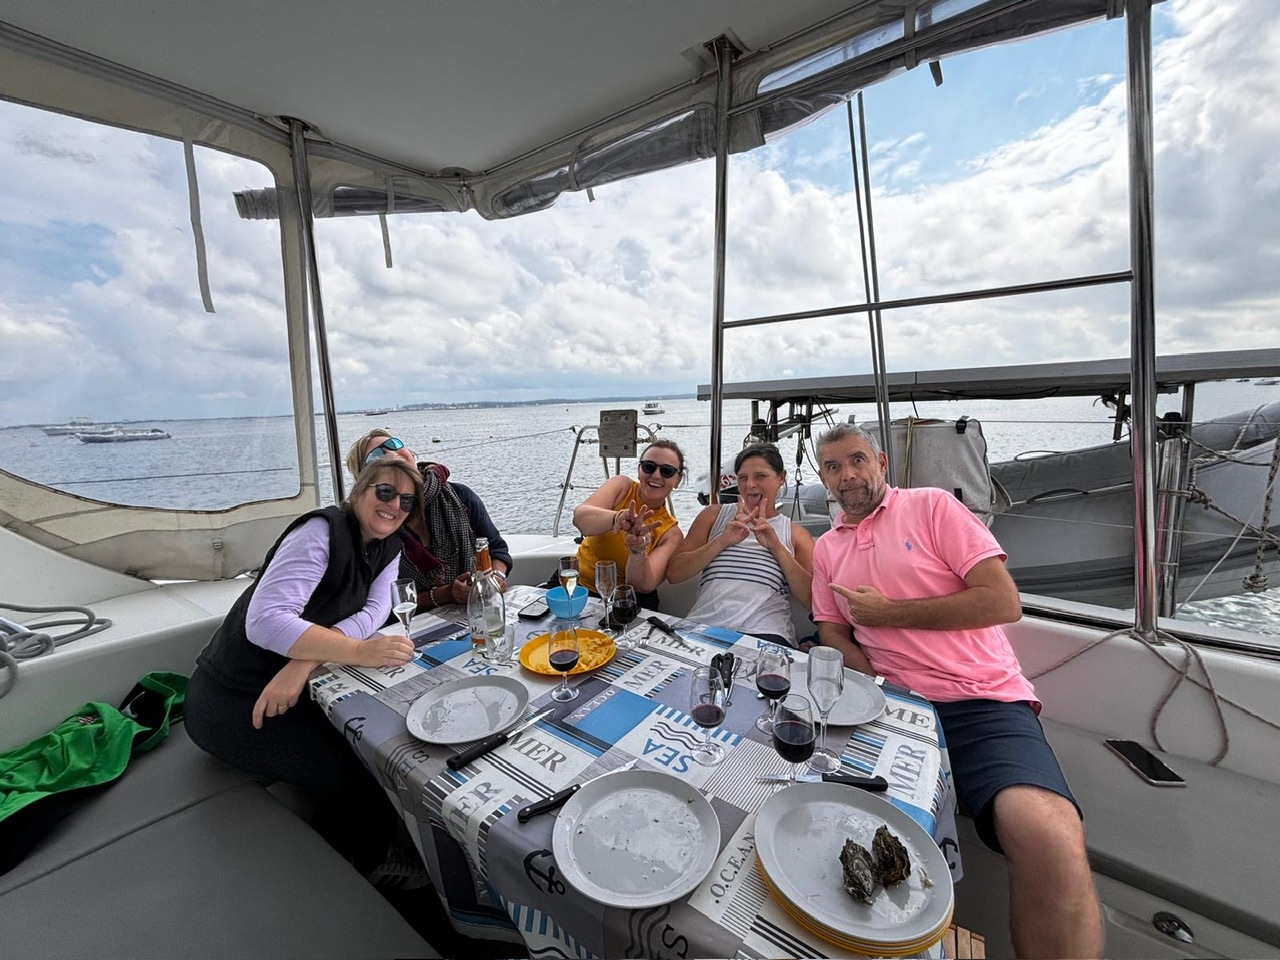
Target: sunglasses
{"points": [[386, 446], [387, 493], [666, 469]]}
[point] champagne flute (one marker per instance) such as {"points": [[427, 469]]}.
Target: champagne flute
{"points": [[562, 653], [706, 706], [826, 683], [624, 608], [568, 574], [404, 601], [793, 731], [773, 680], [606, 583]]}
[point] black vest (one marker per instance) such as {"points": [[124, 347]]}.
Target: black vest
{"points": [[238, 664]]}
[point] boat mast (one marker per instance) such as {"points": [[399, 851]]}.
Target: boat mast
{"points": [[1142, 350], [724, 51]]}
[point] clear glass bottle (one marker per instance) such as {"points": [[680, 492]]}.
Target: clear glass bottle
{"points": [[486, 607]]}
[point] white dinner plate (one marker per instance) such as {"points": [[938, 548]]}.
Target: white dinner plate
{"points": [[636, 839], [861, 701], [800, 831], [468, 709]]}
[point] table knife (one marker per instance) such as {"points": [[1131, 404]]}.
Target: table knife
{"points": [[497, 740], [874, 784], [660, 624], [559, 797]]}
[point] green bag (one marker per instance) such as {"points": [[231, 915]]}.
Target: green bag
{"points": [[44, 779]]}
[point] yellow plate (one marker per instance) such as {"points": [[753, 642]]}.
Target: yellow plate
{"points": [[595, 649]]}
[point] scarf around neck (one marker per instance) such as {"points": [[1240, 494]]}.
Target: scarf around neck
{"points": [[452, 550]]}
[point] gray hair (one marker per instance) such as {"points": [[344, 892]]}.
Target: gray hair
{"points": [[846, 431]]}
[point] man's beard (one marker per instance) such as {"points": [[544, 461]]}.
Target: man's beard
{"points": [[860, 501]]}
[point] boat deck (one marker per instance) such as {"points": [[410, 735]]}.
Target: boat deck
{"points": [[961, 944]]}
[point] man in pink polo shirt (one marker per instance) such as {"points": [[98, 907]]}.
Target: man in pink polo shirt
{"points": [[910, 585]]}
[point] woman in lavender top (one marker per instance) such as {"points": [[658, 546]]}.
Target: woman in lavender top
{"points": [[323, 591]]}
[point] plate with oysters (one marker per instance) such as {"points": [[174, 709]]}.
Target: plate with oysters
{"points": [[854, 869]]}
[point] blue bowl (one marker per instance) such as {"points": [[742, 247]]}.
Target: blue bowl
{"points": [[564, 606]]}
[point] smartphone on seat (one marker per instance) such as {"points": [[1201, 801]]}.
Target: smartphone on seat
{"points": [[534, 611], [1145, 763]]}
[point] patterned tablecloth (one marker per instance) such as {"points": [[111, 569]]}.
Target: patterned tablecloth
{"points": [[498, 878]]}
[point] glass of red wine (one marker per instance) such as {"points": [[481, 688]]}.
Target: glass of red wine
{"points": [[773, 680], [623, 609], [562, 654], [706, 706], [794, 734]]}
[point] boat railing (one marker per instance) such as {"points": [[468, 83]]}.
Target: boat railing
{"points": [[590, 434]]}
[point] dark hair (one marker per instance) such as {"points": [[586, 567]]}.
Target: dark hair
{"points": [[370, 474], [662, 443], [765, 451]]}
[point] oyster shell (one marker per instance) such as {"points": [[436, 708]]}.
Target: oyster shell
{"points": [[892, 862], [859, 870]]}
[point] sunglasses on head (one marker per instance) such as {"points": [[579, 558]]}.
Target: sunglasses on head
{"points": [[387, 493], [386, 446], [666, 469]]}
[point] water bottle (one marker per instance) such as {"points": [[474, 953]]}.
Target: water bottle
{"points": [[486, 607]]}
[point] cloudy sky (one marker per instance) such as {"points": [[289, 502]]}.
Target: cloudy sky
{"points": [[1013, 171]]}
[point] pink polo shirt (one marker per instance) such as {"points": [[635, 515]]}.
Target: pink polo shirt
{"points": [[919, 543]]}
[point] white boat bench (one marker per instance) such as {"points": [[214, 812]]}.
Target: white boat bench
{"points": [[184, 855]]}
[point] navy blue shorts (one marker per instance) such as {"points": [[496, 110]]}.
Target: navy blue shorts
{"points": [[993, 745]]}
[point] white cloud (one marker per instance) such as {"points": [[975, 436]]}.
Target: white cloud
{"points": [[614, 297]]}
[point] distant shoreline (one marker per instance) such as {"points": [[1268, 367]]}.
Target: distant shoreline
{"points": [[407, 408]]}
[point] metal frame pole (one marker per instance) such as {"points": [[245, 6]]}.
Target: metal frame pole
{"points": [[302, 183], [724, 56], [1142, 385]]}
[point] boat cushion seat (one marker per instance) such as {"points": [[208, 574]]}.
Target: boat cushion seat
{"points": [[186, 856], [1165, 840]]}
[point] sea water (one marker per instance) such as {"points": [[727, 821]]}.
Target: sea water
{"points": [[518, 458]]}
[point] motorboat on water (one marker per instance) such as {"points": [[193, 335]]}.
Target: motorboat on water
{"points": [[620, 92], [652, 408], [122, 435], [74, 425], [1065, 518]]}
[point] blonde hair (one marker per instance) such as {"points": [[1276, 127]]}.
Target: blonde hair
{"points": [[355, 455]]}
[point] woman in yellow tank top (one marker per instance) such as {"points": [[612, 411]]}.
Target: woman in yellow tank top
{"points": [[627, 521]]}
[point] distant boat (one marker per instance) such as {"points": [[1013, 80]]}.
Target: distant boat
{"points": [[435, 440], [121, 436], [74, 425], [652, 408], [1268, 382], [379, 412]]}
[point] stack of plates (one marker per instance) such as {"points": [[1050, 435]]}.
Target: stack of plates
{"points": [[799, 834]]}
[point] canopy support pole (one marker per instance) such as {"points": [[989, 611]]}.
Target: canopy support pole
{"points": [[724, 52], [1142, 356], [306, 220]]}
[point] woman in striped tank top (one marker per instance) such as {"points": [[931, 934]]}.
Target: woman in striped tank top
{"points": [[750, 559]]}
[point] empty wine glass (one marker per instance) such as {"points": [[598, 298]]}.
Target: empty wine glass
{"points": [[706, 706], [567, 571], [562, 654], [826, 683], [623, 608], [793, 731], [773, 680], [404, 601], [606, 583]]}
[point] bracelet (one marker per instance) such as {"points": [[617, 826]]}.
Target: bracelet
{"points": [[431, 593]]}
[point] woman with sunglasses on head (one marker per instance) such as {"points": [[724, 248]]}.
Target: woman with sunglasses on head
{"points": [[322, 594], [627, 521], [750, 559], [440, 538]]}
